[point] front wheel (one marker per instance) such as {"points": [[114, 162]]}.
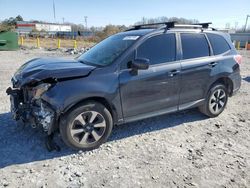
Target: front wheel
{"points": [[86, 126], [216, 101]]}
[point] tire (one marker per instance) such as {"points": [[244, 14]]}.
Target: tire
{"points": [[214, 105], [86, 126]]}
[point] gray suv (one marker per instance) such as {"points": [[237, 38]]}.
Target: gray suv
{"points": [[147, 71]]}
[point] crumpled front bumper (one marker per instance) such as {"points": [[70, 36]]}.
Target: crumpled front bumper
{"points": [[37, 113]]}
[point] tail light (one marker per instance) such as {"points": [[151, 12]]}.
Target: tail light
{"points": [[238, 59]]}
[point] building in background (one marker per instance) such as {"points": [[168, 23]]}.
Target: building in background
{"points": [[49, 27], [34, 29], [23, 27], [227, 30]]}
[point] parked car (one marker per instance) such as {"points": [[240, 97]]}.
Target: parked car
{"points": [[140, 73]]}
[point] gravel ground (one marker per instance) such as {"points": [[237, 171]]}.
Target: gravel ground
{"points": [[185, 149]]}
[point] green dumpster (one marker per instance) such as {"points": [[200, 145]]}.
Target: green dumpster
{"points": [[8, 40]]}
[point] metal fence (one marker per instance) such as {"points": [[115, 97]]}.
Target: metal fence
{"points": [[241, 40]]}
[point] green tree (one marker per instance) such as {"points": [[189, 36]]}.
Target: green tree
{"points": [[110, 30], [12, 20], [19, 18], [10, 23]]}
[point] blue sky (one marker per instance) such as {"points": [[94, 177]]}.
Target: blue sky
{"points": [[102, 12]]}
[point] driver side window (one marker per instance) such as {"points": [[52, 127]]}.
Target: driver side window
{"points": [[158, 49]]}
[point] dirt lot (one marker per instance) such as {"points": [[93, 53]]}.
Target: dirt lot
{"points": [[179, 150]]}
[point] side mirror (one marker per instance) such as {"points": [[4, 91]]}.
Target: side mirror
{"points": [[140, 64]]}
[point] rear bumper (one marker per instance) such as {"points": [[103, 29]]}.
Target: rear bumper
{"points": [[236, 79]]}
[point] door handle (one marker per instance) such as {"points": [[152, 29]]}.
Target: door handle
{"points": [[173, 73], [213, 64]]}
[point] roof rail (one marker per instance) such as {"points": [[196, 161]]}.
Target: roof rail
{"points": [[188, 26], [146, 26]]}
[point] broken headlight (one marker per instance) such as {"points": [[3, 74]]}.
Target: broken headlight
{"points": [[39, 90]]}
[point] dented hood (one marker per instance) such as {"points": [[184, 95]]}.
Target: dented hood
{"points": [[43, 68]]}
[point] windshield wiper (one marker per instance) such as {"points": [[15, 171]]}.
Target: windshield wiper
{"points": [[89, 63], [86, 62]]}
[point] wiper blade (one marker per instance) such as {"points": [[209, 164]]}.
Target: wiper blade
{"points": [[89, 63], [85, 62]]}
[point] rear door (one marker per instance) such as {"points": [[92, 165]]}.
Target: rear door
{"points": [[156, 88], [197, 65]]}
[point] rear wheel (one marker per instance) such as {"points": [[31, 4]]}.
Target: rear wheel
{"points": [[86, 126], [216, 101]]}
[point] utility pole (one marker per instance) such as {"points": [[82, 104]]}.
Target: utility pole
{"points": [[236, 25], [227, 26], [246, 23], [54, 10], [86, 21]]}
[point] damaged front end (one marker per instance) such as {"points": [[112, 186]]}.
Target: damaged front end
{"points": [[28, 106], [32, 81]]}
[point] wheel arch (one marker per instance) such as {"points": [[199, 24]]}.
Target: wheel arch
{"points": [[226, 81], [111, 108]]}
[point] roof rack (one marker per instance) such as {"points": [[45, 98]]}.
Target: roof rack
{"points": [[149, 26], [172, 24], [204, 25]]}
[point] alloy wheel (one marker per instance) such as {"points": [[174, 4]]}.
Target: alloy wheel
{"points": [[217, 101], [88, 127]]}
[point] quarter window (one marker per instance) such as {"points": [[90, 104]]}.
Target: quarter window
{"points": [[194, 45], [218, 43], [158, 49]]}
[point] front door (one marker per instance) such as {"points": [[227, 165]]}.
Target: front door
{"points": [[157, 88]]}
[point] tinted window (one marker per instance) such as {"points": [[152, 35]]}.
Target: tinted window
{"points": [[218, 43], [158, 49], [194, 45]]}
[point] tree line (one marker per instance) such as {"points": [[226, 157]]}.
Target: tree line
{"points": [[10, 23], [101, 32]]}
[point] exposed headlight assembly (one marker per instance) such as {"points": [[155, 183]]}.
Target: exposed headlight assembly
{"points": [[39, 90]]}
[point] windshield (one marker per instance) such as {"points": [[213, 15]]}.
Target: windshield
{"points": [[105, 52]]}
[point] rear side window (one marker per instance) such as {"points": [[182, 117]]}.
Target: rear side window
{"points": [[218, 43], [158, 49], [194, 45]]}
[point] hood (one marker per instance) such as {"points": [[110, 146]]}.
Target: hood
{"points": [[40, 69]]}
